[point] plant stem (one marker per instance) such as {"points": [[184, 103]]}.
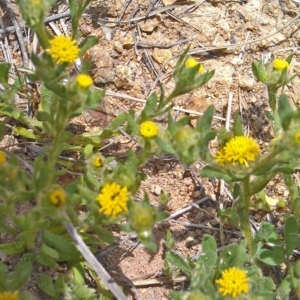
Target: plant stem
{"points": [[43, 36], [272, 91], [264, 163], [244, 214]]}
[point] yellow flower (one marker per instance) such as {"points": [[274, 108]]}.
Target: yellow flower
{"points": [[233, 282], [63, 49], [84, 80], [239, 149], [191, 62], [9, 296], [2, 157], [148, 129], [98, 161], [296, 137], [36, 3], [280, 64], [57, 197], [113, 199]]}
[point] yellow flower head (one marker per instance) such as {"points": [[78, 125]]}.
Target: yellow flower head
{"points": [[233, 282], [239, 149], [191, 62], [97, 161], [63, 49], [2, 157], [148, 129], [113, 199], [36, 3], [84, 81], [296, 137], [280, 64], [9, 296], [57, 197]]}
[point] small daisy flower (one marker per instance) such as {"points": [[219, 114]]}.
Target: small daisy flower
{"points": [[57, 197], [191, 62], [84, 81], [2, 157], [239, 149], [97, 160], [9, 296], [280, 64], [113, 199], [148, 129], [63, 49], [296, 137], [233, 282], [36, 3]]}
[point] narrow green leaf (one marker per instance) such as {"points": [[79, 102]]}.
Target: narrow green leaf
{"points": [[284, 289], [77, 268], [6, 109], [164, 146], [237, 125], [176, 260], [211, 172], [49, 251], [88, 43], [46, 260], [73, 5], [58, 242], [118, 121], [150, 106], [227, 257], [88, 149], [282, 79], [273, 257], [132, 125], [46, 101], [259, 72], [4, 70], [204, 123], [209, 244], [179, 63], [291, 234], [46, 285], [60, 285], [13, 248], [289, 58], [291, 78], [26, 133], [285, 110], [294, 195], [15, 280], [269, 115]]}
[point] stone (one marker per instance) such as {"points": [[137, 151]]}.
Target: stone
{"points": [[161, 55], [150, 24], [102, 65], [118, 47], [157, 190], [123, 77], [246, 83], [127, 42]]}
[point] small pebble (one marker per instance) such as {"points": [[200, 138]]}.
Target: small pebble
{"points": [[157, 190], [118, 47], [246, 83]]}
